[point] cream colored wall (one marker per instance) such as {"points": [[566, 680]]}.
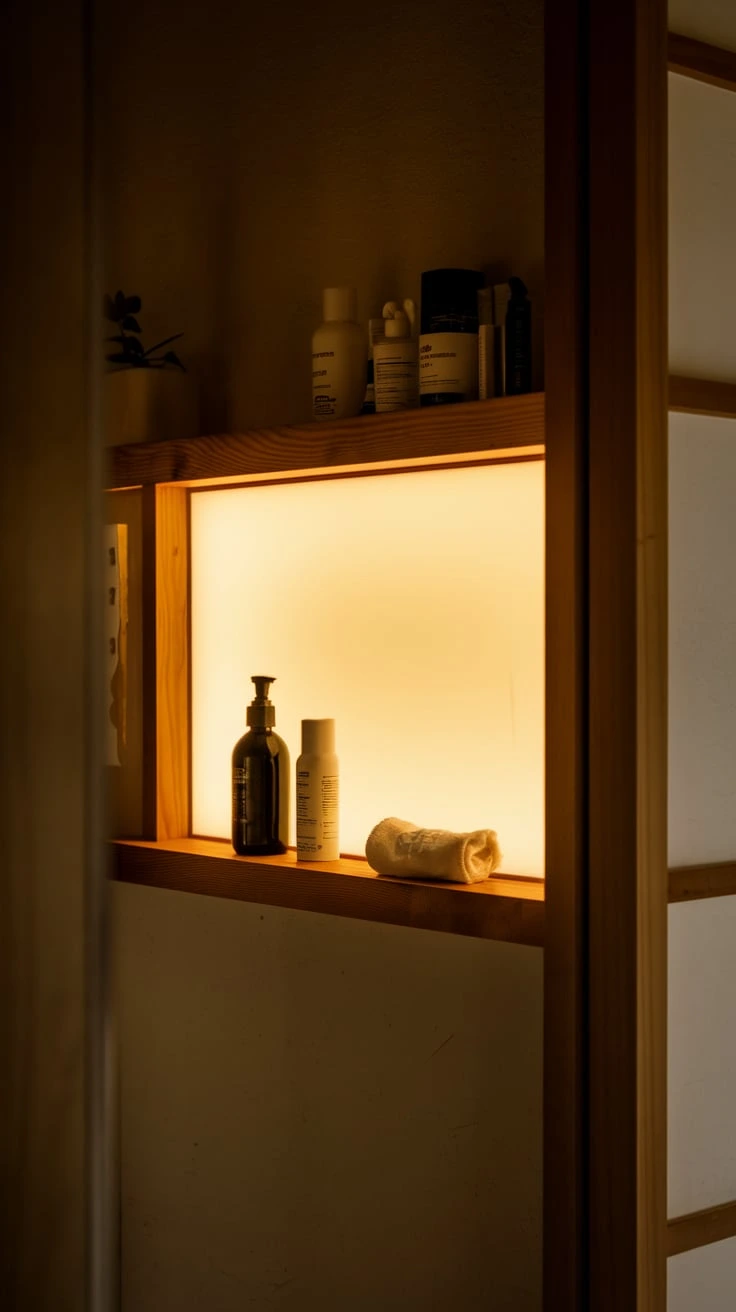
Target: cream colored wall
{"points": [[321, 1114], [702, 622], [702, 186], [712, 21], [702, 1279], [288, 1136], [259, 153]]}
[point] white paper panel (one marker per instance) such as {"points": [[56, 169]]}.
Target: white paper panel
{"points": [[703, 1280], [702, 689], [411, 608], [702, 1054], [713, 21], [702, 257]]}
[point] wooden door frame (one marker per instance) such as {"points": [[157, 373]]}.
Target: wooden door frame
{"points": [[606, 424]]}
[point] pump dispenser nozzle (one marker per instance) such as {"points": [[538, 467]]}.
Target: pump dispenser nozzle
{"points": [[261, 714]]}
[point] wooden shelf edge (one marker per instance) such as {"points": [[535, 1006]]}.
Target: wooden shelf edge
{"points": [[694, 883], [705, 63], [702, 396], [504, 424], [697, 1229], [506, 908]]}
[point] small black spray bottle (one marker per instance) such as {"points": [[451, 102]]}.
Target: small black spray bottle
{"points": [[260, 778], [518, 340]]}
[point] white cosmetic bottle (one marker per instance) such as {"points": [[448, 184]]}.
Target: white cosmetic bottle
{"points": [[396, 360], [317, 784], [339, 357]]}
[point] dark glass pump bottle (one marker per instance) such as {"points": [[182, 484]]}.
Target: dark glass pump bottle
{"points": [[260, 780]]}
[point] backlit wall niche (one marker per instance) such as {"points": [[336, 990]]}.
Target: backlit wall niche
{"points": [[408, 606]]}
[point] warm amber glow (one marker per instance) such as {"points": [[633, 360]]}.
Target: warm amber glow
{"points": [[411, 608]]}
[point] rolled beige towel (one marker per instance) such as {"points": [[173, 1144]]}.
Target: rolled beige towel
{"points": [[397, 847]]}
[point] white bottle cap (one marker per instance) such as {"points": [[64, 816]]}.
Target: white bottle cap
{"points": [[318, 737], [398, 326], [340, 303]]}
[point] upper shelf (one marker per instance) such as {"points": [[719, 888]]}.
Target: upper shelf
{"points": [[509, 427], [503, 425]]}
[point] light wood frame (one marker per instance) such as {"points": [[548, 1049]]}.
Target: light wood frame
{"points": [[167, 855]]}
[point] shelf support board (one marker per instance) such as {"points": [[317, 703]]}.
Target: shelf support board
{"points": [[505, 908], [696, 59]]}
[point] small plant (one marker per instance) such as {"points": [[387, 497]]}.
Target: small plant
{"points": [[121, 310]]}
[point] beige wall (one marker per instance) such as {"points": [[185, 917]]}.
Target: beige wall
{"points": [[321, 1114], [287, 1136], [252, 160]]}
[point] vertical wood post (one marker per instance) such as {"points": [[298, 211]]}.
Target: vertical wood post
{"points": [[566, 763], [605, 970], [166, 694]]}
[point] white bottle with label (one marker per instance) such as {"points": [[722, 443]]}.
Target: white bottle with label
{"points": [[317, 787], [339, 357], [395, 361]]}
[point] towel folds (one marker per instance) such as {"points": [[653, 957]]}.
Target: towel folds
{"points": [[397, 847]]}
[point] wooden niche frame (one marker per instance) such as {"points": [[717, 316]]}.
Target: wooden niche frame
{"points": [[167, 855]]}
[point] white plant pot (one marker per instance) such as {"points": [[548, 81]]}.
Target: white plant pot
{"points": [[149, 405]]}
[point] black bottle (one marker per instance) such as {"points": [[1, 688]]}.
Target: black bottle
{"points": [[260, 777], [448, 341], [518, 340]]}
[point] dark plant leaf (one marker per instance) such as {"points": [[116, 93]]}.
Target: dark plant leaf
{"points": [[165, 342], [119, 337], [131, 325], [172, 358], [133, 346], [132, 304], [132, 361], [120, 303], [108, 308]]}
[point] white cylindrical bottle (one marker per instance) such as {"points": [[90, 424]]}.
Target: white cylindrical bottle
{"points": [[396, 365], [339, 357], [317, 801]]}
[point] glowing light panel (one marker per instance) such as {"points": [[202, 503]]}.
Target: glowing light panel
{"points": [[411, 608]]}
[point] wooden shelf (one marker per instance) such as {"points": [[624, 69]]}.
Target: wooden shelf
{"points": [[705, 63], [693, 883], [509, 427], [503, 425], [697, 1229], [702, 396], [507, 908]]}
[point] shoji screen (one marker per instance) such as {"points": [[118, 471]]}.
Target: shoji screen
{"points": [[702, 799]]}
